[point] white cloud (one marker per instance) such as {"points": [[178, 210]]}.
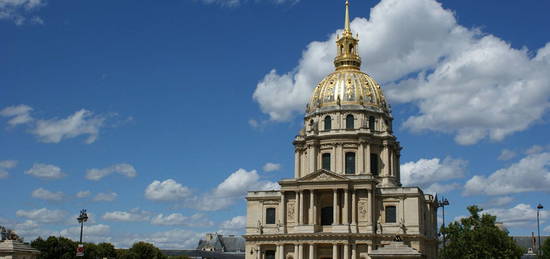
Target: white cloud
{"points": [[4, 166], [233, 188], [534, 150], [172, 239], [133, 215], [83, 194], [168, 190], [91, 233], [462, 82], [436, 188], [506, 154], [235, 223], [498, 202], [529, 174], [270, 167], [123, 169], [178, 219], [18, 10], [521, 215], [19, 114], [82, 122], [45, 171], [107, 196], [547, 229], [426, 172], [44, 194], [42, 215]]}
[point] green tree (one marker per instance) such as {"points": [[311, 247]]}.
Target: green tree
{"points": [[546, 249], [55, 248], [143, 250], [477, 236]]}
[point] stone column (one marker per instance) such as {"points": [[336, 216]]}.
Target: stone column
{"points": [[300, 207], [311, 219], [335, 207], [386, 159], [335, 251], [353, 208], [339, 160], [258, 252], [282, 211], [346, 251], [354, 251], [333, 158], [296, 253], [372, 208], [297, 163], [300, 251], [311, 251], [360, 158], [367, 159], [345, 216]]}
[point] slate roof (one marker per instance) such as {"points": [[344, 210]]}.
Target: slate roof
{"points": [[226, 244]]}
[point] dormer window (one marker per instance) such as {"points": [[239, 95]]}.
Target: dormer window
{"points": [[372, 123], [349, 122]]}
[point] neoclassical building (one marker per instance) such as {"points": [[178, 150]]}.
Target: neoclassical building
{"points": [[346, 200]]}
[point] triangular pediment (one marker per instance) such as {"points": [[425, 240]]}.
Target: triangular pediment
{"points": [[322, 175]]}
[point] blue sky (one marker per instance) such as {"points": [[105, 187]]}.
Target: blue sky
{"points": [[163, 114]]}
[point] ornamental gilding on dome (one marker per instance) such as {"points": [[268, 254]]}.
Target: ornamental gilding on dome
{"points": [[347, 85]]}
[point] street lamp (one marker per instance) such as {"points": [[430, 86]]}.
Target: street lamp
{"points": [[81, 219], [539, 207], [442, 203]]}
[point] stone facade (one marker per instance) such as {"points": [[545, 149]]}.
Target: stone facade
{"points": [[15, 249], [346, 199]]}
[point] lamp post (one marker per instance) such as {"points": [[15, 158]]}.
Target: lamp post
{"points": [[81, 219], [539, 251], [442, 203]]}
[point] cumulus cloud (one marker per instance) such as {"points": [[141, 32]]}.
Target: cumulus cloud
{"points": [[270, 167], [123, 169], [522, 215], [91, 233], [534, 150], [4, 166], [498, 202], [459, 79], [19, 114], [82, 122], [178, 219], [547, 229], [428, 173], [172, 239], [134, 215], [235, 223], [105, 196], [83, 194], [234, 187], [18, 11], [45, 171], [506, 154], [168, 190], [44, 194], [529, 174], [42, 215]]}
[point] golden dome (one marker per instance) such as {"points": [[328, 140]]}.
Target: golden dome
{"points": [[347, 87]]}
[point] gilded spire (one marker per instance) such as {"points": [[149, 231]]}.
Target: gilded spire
{"points": [[346, 22], [347, 57]]}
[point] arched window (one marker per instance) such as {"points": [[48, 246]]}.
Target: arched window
{"points": [[328, 123], [349, 121], [326, 161], [326, 216], [374, 164], [391, 214], [350, 163], [350, 48], [372, 123], [270, 216]]}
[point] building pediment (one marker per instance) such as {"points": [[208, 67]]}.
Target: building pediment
{"points": [[322, 175]]}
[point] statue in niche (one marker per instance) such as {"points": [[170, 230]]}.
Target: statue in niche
{"points": [[260, 228], [379, 224], [402, 227]]}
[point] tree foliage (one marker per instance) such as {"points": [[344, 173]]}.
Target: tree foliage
{"points": [[546, 249], [64, 248], [477, 236]]}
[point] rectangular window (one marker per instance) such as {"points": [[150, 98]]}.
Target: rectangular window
{"points": [[391, 214], [270, 216], [374, 164], [350, 163], [326, 161]]}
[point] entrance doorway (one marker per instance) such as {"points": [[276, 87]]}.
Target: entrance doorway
{"points": [[326, 216]]}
